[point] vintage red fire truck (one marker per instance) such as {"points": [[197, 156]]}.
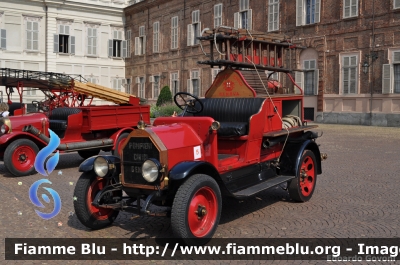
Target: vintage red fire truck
{"points": [[67, 110], [246, 136]]}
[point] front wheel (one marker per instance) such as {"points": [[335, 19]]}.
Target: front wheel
{"points": [[86, 189], [19, 157], [196, 210], [302, 187]]}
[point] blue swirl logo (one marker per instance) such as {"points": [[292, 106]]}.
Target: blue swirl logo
{"points": [[45, 152], [35, 200]]}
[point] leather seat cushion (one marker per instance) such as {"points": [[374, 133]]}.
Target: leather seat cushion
{"points": [[231, 129]]}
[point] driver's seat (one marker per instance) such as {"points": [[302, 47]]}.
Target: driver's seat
{"points": [[58, 119], [233, 113]]}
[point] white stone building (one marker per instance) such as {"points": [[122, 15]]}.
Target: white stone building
{"points": [[84, 37]]}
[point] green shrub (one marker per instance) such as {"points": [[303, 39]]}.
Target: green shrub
{"points": [[165, 97], [163, 111]]}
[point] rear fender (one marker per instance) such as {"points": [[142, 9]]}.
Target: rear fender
{"points": [[292, 154]]}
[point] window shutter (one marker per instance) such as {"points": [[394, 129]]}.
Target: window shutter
{"points": [[270, 17], [387, 79], [66, 29], [306, 65], [3, 41], [354, 8], [56, 37], [72, 44], [29, 35], [396, 56], [316, 81], [35, 36], [137, 46], [346, 8], [124, 49], [299, 76], [396, 3], [94, 41], [144, 44], [61, 29], [299, 12], [250, 19], [89, 41], [317, 10], [190, 34], [236, 22], [110, 48], [346, 80], [189, 87]]}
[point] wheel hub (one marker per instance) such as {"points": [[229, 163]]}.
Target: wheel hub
{"points": [[201, 211], [22, 157]]}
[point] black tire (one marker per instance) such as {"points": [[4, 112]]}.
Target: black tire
{"points": [[302, 187], [19, 157], [122, 137], [89, 215], [184, 218], [88, 153]]}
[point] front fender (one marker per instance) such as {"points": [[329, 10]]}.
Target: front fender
{"points": [[187, 168], [87, 165]]}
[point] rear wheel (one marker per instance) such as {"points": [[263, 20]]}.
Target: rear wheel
{"points": [[120, 142], [302, 187], [196, 210], [86, 189], [19, 157], [88, 153]]}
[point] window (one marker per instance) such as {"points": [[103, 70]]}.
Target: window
{"points": [[117, 47], [63, 41], [128, 43], [307, 12], [349, 74], [32, 35], [140, 42], [217, 15], [396, 4], [140, 80], [117, 84], [214, 73], [310, 78], [3, 39], [91, 79], [350, 8], [174, 33], [391, 75], [156, 37], [174, 83], [272, 75], [155, 80], [193, 84], [243, 18], [30, 92], [193, 30], [273, 15], [91, 41]]}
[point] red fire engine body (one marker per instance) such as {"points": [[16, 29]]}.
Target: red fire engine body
{"points": [[246, 136]]}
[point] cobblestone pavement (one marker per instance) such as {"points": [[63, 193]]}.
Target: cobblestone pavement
{"points": [[356, 196]]}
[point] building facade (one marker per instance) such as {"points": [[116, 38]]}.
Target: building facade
{"points": [[351, 67], [82, 37]]}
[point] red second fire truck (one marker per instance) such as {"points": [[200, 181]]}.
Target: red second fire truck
{"points": [[246, 136]]}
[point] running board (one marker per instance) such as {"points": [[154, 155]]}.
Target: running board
{"points": [[262, 186]]}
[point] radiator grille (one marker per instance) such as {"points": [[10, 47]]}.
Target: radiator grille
{"points": [[137, 150]]}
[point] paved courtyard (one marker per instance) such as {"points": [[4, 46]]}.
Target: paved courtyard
{"points": [[356, 196]]}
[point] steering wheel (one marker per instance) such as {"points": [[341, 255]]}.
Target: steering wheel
{"points": [[189, 104], [40, 105]]}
